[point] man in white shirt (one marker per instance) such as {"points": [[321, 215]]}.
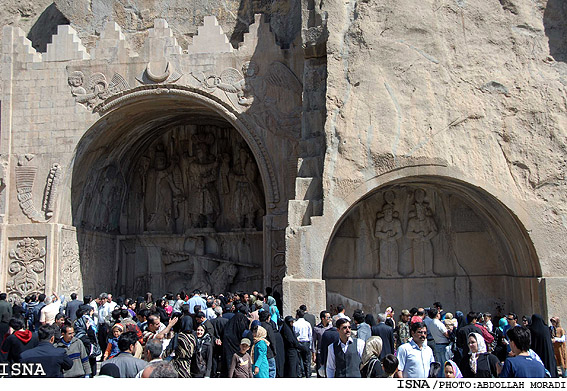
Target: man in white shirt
{"points": [[415, 357], [440, 335], [304, 333], [105, 309], [340, 314], [51, 309], [345, 355]]}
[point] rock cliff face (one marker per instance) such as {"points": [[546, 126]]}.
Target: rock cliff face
{"points": [[477, 87]]}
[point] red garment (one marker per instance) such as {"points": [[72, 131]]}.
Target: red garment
{"points": [[416, 319], [488, 338], [23, 335]]}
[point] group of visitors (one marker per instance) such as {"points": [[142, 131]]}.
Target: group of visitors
{"points": [[243, 335]]}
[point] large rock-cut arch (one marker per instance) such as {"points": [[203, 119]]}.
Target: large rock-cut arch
{"points": [[168, 193]]}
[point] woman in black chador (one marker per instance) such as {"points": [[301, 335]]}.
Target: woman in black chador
{"points": [[541, 344], [291, 345]]}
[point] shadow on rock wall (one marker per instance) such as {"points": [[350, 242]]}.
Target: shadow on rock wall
{"points": [[555, 24], [46, 26], [284, 18]]}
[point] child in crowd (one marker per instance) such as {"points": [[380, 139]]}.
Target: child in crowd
{"points": [[112, 346], [241, 365], [390, 365]]}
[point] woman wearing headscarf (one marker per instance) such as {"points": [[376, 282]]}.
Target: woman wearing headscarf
{"points": [[479, 363], [203, 359], [457, 352], [501, 348], [259, 353], [452, 371], [291, 345], [186, 344], [233, 334], [370, 365], [559, 344], [541, 344], [274, 312]]}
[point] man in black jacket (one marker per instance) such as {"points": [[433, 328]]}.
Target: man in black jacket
{"points": [[329, 337], [385, 332], [52, 360], [463, 333]]}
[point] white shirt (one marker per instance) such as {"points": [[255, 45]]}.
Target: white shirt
{"points": [[302, 329], [95, 307], [49, 312], [331, 367], [210, 313], [437, 330], [105, 310], [413, 361]]}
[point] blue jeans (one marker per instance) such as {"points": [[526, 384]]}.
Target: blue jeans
{"points": [[272, 367], [442, 354]]}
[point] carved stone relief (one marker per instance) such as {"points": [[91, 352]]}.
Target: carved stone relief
{"points": [[195, 179], [272, 98], [421, 229], [388, 229], [25, 179], [26, 270], [69, 263], [102, 199], [211, 262], [96, 89], [167, 75], [3, 177], [417, 232]]}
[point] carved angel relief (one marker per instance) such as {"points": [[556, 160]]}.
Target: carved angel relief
{"points": [[273, 98], [97, 89], [26, 272]]}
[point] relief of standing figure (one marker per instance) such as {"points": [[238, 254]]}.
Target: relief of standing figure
{"points": [[204, 204], [421, 229], [247, 195], [388, 230]]}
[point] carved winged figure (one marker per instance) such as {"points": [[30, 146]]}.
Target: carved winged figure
{"points": [[273, 98]]}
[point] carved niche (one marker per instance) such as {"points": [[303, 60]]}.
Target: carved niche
{"points": [[26, 270], [195, 179]]}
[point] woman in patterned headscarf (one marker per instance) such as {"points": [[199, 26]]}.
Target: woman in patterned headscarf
{"points": [[370, 365], [259, 353], [452, 371], [186, 344], [479, 363]]}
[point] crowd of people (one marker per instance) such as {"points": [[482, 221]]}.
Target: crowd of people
{"points": [[243, 335]]}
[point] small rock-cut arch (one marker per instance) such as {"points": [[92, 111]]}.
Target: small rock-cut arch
{"points": [[417, 240]]}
